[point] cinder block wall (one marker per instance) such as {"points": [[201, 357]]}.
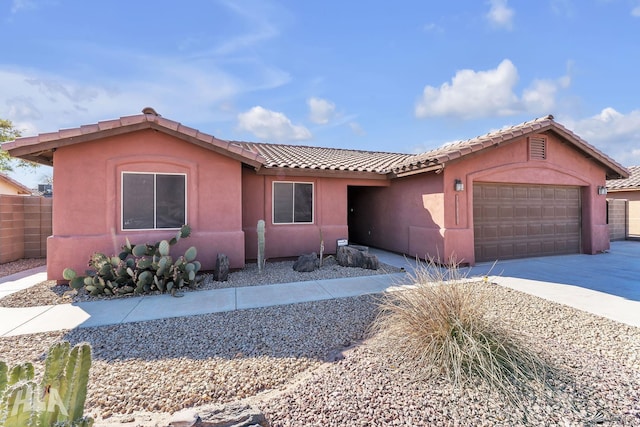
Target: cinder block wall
{"points": [[25, 224], [617, 219]]}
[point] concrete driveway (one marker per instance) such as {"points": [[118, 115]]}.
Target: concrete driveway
{"points": [[616, 272]]}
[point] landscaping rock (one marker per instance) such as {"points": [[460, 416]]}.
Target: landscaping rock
{"points": [[348, 256], [221, 273], [370, 261], [357, 256], [306, 263], [185, 418], [232, 415]]}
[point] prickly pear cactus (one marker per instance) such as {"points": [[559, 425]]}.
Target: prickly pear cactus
{"points": [[139, 269]]}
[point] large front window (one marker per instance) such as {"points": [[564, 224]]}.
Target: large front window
{"points": [[153, 200], [292, 202]]}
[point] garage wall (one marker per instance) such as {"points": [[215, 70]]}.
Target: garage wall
{"points": [[564, 165]]}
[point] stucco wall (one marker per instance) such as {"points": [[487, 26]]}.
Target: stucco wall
{"points": [[292, 240], [8, 188], [422, 215], [407, 217], [87, 205]]}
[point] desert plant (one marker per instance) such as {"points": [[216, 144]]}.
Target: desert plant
{"points": [[441, 326], [321, 247], [139, 269], [59, 398], [260, 230]]}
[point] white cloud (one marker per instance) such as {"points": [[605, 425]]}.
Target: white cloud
{"points": [[474, 94], [615, 133], [18, 5], [41, 102], [321, 110], [500, 15], [635, 11], [271, 125], [357, 129], [433, 28]]}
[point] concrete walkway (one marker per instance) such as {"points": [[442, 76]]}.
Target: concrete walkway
{"points": [[607, 285]]}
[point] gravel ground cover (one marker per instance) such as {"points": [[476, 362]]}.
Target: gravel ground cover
{"points": [[13, 267], [278, 359], [50, 293]]}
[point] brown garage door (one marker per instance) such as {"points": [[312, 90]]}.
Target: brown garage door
{"points": [[519, 221]]}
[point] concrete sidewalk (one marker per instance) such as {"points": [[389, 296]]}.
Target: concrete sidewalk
{"points": [[607, 285]]}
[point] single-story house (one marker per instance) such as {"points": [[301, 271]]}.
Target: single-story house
{"points": [[627, 190], [529, 190], [10, 186]]}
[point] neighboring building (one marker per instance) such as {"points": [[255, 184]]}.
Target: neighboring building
{"points": [[529, 190], [10, 186], [625, 193]]}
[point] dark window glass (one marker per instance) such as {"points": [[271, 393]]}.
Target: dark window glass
{"points": [[303, 203], [292, 202], [170, 201], [152, 201], [283, 202], [137, 201]]}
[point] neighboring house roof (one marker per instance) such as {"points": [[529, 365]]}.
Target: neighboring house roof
{"points": [[20, 188], [272, 156], [631, 183]]}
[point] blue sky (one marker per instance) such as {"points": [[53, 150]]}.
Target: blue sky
{"points": [[404, 76]]}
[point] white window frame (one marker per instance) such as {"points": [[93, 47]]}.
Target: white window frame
{"points": [[273, 202], [155, 174]]}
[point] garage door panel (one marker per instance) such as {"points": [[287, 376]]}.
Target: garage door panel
{"points": [[517, 221]]}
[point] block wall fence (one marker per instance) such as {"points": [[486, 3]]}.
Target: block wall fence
{"points": [[25, 224]]}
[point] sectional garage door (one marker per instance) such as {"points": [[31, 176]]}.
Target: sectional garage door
{"points": [[519, 221]]}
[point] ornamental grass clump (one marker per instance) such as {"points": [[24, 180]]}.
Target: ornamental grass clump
{"points": [[442, 326]]}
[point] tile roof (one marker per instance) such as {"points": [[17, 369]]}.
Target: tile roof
{"points": [[40, 148], [306, 157], [269, 156], [453, 151], [631, 183]]}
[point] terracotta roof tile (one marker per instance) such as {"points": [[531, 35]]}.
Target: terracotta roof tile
{"points": [[631, 183], [458, 149], [307, 157]]}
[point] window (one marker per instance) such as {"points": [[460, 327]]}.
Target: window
{"points": [[292, 202], [153, 200]]}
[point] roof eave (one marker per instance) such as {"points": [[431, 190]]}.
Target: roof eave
{"points": [[333, 173]]}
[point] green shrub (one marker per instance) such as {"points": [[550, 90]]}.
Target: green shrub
{"points": [[441, 326], [139, 269], [59, 398]]}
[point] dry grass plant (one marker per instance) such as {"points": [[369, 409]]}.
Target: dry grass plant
{"points": [[441, 326]]}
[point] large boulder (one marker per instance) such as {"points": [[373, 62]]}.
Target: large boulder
{"points": [[306, 263], [350, 256]]}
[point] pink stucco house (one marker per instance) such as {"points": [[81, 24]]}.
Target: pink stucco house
{"points": [[529, 190]]}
